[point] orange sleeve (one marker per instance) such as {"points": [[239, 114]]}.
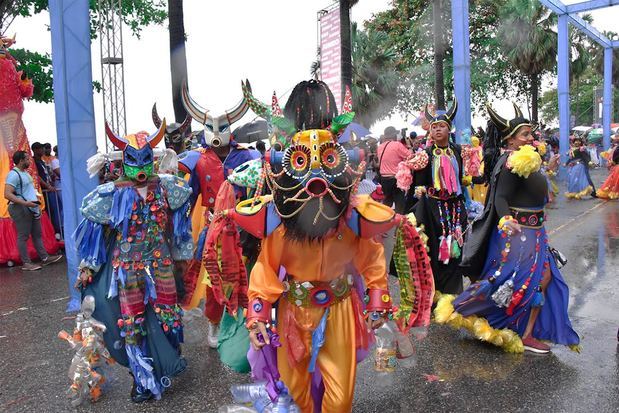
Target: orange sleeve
{"points": [[370, 262], [264, 280]]}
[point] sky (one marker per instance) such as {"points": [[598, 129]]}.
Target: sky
{"points": [[271, 43]]}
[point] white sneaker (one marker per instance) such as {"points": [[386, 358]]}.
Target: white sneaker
{"points": [[212, 335]]}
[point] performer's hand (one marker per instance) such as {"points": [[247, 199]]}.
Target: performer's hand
{"points": [[374, 324], [512, 227], [258, 328]]}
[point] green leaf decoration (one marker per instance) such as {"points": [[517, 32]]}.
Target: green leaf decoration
{"points": [[340, 122]]}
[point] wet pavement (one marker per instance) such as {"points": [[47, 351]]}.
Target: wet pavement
{"points": [[452, 371]]}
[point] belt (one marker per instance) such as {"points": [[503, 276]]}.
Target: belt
{"points": [[318, 293], [529, 218]]}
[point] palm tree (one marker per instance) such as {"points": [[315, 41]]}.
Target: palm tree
{"points": [[375, 80], [178, 58], [529, 42]]}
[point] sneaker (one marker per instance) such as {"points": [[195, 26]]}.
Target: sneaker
{"points": [[30, 267], [51, 259], [535, 346]]}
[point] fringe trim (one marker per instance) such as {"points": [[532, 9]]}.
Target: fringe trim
{"points": [[578, 195], [507, 339]]}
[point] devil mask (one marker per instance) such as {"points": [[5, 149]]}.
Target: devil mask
{"points": [[177, 136], [216, 128], [138, 158]]}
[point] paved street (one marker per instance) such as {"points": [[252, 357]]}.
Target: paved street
{"points": [[453, 372]]}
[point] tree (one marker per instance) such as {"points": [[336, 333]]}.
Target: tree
{"points": [[375, 80], [345, 43], [439, 53], [178, 57], [137, 14], [528, 42]]}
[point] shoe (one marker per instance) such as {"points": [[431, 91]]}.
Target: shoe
{"points": [[535, 346], [138, 396], [51, 259], [30, 267], [212, 335]]}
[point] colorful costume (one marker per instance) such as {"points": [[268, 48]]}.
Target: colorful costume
{"points": [[134, 230], [209, 167], [472, 157], [13, 90], [314, 238], [610, 187], [518, 271], [579, 184], [441, 209]]}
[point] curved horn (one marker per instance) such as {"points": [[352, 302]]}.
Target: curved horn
{"points": [[196, 112], [502, 123], [186, 123], [517, 110], [451, 113], [255, 105], [156, 137], [155, 116], [119, 142], [237, 112], [428, 115]]}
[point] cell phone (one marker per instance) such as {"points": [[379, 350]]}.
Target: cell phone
{"points": [[36, 202]]}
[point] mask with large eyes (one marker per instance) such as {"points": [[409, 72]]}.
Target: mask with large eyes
{"points": [[296, 162], [333, 160]]}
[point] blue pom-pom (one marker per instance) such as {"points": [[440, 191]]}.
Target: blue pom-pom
{"points": [[538, 299]]}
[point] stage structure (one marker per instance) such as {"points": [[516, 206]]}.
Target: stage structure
{"points": [[568, 14], [75, 116], [112, 70]]}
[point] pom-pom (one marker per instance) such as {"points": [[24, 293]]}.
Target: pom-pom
{"points": [[403, 176], [524, 161], [419, 160]]}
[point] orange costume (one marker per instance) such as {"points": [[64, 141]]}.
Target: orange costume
{"points": [[316, 236]]}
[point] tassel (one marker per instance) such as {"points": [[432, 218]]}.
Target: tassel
{"points": [[483, 288], [458, 235], [443, 250], [538, 299], [113, 290], [150, 287], [516, 298], [318, 340], [503, 295], [455, 248]]}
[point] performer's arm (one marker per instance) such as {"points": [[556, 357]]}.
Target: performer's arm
{"points": [[264, 284], [370, 262]]}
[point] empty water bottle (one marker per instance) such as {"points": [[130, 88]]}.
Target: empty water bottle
{"points": [[248, 393], [385, 352], [236, 408]]}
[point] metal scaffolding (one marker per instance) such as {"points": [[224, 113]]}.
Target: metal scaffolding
{"points": [[112, 70]]}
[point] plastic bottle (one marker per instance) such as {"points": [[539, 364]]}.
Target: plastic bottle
{"points": [[254, 393], [385, 352], [236, 408]]}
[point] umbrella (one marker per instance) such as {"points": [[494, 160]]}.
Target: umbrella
{"points": [[595, 136], [251, 132], [359, 131]]}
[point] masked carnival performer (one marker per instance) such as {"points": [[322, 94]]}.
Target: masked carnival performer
{"points": [[177, 135], [579, 184], [14, 88], [209, 167], [610, 187], [441, 209], [521, 297], [134, 230], [315, 234]]}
